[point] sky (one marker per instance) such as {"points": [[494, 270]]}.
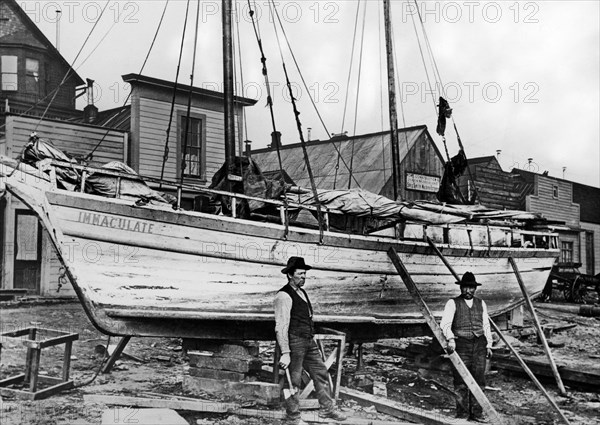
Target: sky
{"points": [[522, 77]]}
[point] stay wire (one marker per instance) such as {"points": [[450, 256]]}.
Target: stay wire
{"points": [[306, 87], [174, 97], [381, 94], [399, 90], [300, 133], [90, 155], [68, 73], [189, 104], [362, 43]]}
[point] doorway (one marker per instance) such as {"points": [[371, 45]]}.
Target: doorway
{"points": [[28, 252]]}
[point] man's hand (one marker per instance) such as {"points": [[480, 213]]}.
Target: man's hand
{"points": [[451, 347], [489, 353], [284, 360]]}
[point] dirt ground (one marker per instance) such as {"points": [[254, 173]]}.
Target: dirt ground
{"points": [[164, 364]]}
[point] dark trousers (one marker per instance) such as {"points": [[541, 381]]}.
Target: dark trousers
{"points": [[306, 355], [472, 352]]}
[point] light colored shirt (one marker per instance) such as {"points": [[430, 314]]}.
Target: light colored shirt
{"points": [[283, 309], [448, 318]]}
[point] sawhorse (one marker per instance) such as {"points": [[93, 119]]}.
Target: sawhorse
{"points": [[336, 356]]}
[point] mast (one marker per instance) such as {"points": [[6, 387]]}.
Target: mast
{"points": [[228, 87], [392, 96]]}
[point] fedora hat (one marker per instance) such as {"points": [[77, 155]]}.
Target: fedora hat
{"points": [[295, 263], [468, 279]]}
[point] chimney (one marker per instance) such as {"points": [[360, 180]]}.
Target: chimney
{"points": [[564, 169], [309, 130], [275, 139], [58, 15], [248, 148], [498, 152], [90, 112]]}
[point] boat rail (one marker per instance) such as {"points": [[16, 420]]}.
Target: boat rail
{"points": [[440, 234]]}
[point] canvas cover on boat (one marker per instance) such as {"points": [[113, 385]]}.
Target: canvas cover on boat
{"points": [[361, 203]]}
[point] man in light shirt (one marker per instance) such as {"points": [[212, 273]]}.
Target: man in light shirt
{"points": [[295, 330], [466, 326]]}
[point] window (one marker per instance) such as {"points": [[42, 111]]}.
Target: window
{"points": [[566, 252], [8, 65], [32, 75], [555, 191], [193, 146]]}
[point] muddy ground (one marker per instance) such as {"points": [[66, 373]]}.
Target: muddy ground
{"points": [[165, 363]]}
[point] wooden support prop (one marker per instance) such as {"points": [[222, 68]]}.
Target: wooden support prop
{"points": [[538, 326], [116, 354], [529, 372], [497, 329], [437, 332]]}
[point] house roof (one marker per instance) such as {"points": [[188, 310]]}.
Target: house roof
{"points": [[371, 164], [39, 35], [588, 198], [480, 160], [117, 118], [156, 82]]}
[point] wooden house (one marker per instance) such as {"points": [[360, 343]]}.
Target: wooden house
{"points": [[32, 69], [27, 258], [365, 161], [588, 198]]}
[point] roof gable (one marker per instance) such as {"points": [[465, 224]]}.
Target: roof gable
{"points": [[29, 34], [330, 160]]}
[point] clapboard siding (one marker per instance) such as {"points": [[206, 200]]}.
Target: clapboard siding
{"points": [[422, 158], [153, 123], [73, 139], [555, 208]]}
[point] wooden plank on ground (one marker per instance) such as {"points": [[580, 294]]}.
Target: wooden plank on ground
{"points": [[397, 410], [194, 406], [312, 417]]}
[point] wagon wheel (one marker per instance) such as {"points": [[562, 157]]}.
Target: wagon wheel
{"points": [[568, 291], [579, 290]]}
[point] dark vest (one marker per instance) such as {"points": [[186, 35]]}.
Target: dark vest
{"points": [[468, 322], [301, 323]]}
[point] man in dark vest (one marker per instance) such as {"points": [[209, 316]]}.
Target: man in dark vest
{"points": [[466, 326], [295, 330]]}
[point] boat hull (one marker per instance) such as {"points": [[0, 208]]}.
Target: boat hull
{"points": [[156, 272]]}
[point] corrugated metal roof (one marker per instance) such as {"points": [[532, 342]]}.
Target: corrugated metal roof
{"points": [[117, 118], [371, 155]]}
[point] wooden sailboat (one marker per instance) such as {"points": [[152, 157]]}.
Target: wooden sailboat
{"points": [[148, 270]]}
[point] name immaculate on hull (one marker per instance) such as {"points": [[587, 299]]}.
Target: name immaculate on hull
{"points": [[113, 222]]}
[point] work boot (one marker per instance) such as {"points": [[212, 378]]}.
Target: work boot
{"points": [[333, 414], [480, 418]]}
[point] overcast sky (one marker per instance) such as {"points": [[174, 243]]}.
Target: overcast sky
{"points": [[522, 77]]}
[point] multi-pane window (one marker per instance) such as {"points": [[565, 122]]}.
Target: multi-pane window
{"points": [[32, 75], [192, 145], [566, 252], [8, 67]]}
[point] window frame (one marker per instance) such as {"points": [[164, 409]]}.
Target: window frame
{"points": [[35, 75], [201, 176], [4, 72], [567, 247], [555, 191]]}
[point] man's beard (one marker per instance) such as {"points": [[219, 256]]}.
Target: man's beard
{"points": [[467, 296]]}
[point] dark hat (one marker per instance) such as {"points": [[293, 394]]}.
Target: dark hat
{"points": [[468, 279], [295, 263]]}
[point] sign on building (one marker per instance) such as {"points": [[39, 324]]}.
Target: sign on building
{"points": [[422, 182]]}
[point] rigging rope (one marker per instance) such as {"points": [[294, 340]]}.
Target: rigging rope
{"points": [[305, 85], [337, 165], [168, 132], [300, 133], [67, 74], [362, 43], [381, 94], [189, 104], [90, 155], [275, 134]]}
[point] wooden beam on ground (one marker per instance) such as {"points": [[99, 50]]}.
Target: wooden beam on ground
{"points": [[397, 410], [193, 406], [437, 332], [529, 372], [538, 326], [313, 417]]}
